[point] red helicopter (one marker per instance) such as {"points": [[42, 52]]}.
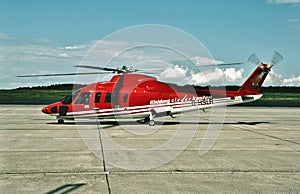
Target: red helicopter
{"points": [[134, 95]]}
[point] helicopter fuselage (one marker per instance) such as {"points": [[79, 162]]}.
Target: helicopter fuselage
{"points": [[140, 96]]}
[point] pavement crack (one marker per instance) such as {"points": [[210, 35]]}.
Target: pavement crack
{"points": [[103, 158], [6, 110], [266, 135]]}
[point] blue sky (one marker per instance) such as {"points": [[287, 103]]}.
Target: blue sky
{"points": [[231, 30]]}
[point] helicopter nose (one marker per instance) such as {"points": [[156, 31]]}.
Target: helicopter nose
{"points": [[50, 109], [45, 109]]}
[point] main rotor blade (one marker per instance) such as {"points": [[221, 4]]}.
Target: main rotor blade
{"points": [[151, 69], [254, 59], [222, 64], [99, 68], [277, 57], [62, 74], [147, 72]]}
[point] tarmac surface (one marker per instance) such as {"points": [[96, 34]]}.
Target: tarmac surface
{"points": [[257, 151]]}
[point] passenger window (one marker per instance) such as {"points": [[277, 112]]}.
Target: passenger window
{"points": [[97, 97], [125, 97], [108, 97], [84, 98]]}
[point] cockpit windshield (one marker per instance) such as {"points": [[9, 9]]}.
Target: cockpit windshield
{"points": [[68, 99]]}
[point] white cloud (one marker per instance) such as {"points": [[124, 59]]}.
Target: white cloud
{"points": [[273, 79], [3, 77], [31, 56], [277, 80], [218, 76], [206, 77], [228, 75], [185, 74], [284, 1], [294, 23], [41, 40], [175, 72], [293, 81], [205, 61], [31, 53], [63, 55], [294, 20], [6, 37], [232, 75], [73, 47]]}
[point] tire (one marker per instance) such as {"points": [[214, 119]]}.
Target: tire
{"points": [[60, 121], [151, 123]]}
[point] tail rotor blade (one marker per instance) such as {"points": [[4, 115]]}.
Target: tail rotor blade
{"points": [[254, 59], [277, 57]]}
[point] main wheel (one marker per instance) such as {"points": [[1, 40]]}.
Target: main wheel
{"points": [[151, 123]]}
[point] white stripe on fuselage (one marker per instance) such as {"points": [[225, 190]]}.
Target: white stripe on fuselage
{"points": [[144, 111]]}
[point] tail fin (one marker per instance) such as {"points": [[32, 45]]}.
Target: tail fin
{"points": [[253, 84]]}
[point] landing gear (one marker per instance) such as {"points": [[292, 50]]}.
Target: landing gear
{"points": [[60, 121], [151, 123], [146, 120], [151, 118]]}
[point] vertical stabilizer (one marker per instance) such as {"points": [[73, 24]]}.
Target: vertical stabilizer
{"points": [[253, 84]]}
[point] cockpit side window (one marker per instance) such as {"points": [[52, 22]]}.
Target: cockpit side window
{"points": [[84, 98], [97, 97], [68, 99]]}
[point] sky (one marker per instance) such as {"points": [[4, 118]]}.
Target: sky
{"points": [[51, 36]]}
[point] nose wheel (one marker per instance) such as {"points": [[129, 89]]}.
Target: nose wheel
{"points": [[60, 121]]}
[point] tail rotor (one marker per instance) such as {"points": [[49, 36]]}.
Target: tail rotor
{"points": [[254, 59], [253, 84], [276, 58]]}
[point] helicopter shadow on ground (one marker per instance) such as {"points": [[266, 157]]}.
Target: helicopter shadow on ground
{"points": [[67, 188], [118, 123]]}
